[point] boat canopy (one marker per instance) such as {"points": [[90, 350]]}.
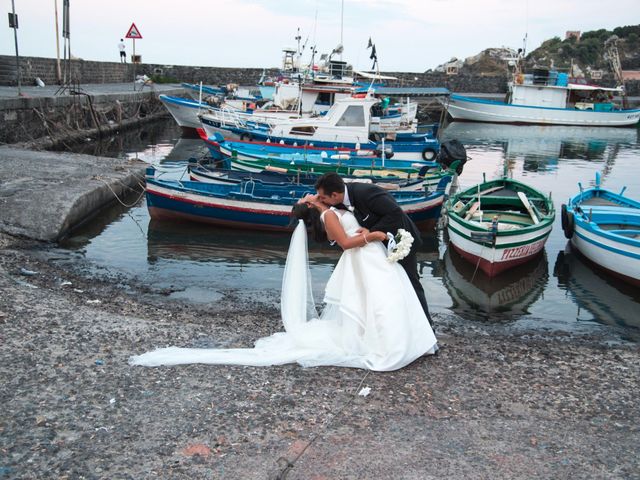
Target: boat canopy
{"points": [[410, 91], [578, 86], [374, 75]]}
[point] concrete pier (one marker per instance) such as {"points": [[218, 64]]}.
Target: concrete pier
{"points": [[44, 195]]}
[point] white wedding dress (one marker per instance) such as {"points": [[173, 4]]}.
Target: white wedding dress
{"points": [[372, 318]]}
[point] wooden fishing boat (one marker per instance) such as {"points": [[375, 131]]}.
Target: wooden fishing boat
{"points": [[499, 224], [254, 205], [202, 173], [605, 228], [258, 156]]}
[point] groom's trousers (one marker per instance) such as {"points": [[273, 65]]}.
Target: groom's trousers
{"points": [[410, 265]]}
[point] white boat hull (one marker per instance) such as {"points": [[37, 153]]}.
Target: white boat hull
{"points": [[620, 259], [477, 110], [186, 116], [508, 251]]}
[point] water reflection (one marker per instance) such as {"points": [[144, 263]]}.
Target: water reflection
{"points": [[499, 299], [603, 298], [541, 147], [208, 244]]}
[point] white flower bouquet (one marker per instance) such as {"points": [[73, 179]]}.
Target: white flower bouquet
{"points": [[398, 246]]}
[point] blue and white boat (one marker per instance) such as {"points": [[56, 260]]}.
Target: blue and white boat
{"points": [[254, 205], [202, 173], [605, 228], [200, 91], [548, 99]]}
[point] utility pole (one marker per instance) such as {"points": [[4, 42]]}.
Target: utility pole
{"points": [[58, 69], [13, 23], [341, 27]]}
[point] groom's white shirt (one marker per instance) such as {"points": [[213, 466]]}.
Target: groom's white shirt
{"points": [[347, 201]]}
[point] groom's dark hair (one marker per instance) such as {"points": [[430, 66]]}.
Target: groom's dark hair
{"points": [[330, 183]]}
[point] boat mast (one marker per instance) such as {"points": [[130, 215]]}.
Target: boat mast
{"points": [[613, 56]]}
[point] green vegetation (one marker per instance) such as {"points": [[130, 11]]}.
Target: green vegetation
{"points": [[589, 50], [162, 79]]}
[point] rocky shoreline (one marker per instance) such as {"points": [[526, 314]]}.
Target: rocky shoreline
{"points": [[490, 405]]}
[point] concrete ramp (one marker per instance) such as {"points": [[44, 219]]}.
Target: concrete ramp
{"points": [[43, 195]]}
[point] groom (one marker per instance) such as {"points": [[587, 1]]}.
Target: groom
{"points": [[376, 210]]}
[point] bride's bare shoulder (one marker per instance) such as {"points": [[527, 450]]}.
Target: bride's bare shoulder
{"points": [[333, 210]]}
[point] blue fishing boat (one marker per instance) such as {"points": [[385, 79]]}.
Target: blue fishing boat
{"points": [[605, 228], [206, 90], [240, 153], [254, 205], [202, 173]]}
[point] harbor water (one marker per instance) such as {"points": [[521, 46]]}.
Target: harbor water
{"points": [[559, 290]]}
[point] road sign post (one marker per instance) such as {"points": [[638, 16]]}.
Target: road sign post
{"points": [[13, 23], [134, 34]]}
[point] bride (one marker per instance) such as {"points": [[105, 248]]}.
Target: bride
{"points": [[372, 317]]}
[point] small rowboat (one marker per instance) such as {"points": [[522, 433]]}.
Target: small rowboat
{"points": [[499, 224], [605, 228]]}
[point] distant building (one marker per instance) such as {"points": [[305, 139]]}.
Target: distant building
{"points": [[631, 74], [595, 74], [452, 69], [572, 34]]}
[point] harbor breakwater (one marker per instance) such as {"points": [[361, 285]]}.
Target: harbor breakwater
{"points": [[88, 71]]}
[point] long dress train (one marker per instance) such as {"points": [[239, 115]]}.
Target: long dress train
{"points": [[372, 318]]}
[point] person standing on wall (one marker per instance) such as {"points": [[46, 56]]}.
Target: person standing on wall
{"points": [[123, 54]]}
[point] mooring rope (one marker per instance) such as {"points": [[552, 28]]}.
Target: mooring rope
{"points": [[282, 475], [116, 195]]}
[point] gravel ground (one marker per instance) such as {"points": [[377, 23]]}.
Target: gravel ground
{"points": [[490, 405]]}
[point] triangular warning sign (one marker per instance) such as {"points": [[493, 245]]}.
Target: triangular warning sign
{"points": [[133, 32]]}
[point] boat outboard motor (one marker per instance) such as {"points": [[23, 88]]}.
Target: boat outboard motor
{"points": [[388, 152], [452, 151]]}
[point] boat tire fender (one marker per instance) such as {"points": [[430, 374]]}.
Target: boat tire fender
{"points": [[246, 137], [428, 154], [567, 221]]}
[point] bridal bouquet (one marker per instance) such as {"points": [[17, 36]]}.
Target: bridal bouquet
{"points": [[398, 246]]}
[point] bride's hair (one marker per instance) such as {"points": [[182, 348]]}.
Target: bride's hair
{"points": [[311, 218]]}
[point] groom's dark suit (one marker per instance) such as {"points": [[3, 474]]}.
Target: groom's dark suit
{"points": [[376, 210]]}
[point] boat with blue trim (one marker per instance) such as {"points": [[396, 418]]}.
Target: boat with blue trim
{"points": [[547, 98], [255, 205], [605, 228], [279, 176]]}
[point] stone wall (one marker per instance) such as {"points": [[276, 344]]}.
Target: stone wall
{"points": [[46, 122], [86, 71]]}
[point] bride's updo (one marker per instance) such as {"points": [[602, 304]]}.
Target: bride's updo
{"points": [[311, 218]]}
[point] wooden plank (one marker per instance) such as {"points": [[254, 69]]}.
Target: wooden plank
{"points": [[472, 210], [271, 168], [527, 205]]}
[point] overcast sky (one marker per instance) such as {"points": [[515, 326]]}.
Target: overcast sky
{"points": [[410, 35]]}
